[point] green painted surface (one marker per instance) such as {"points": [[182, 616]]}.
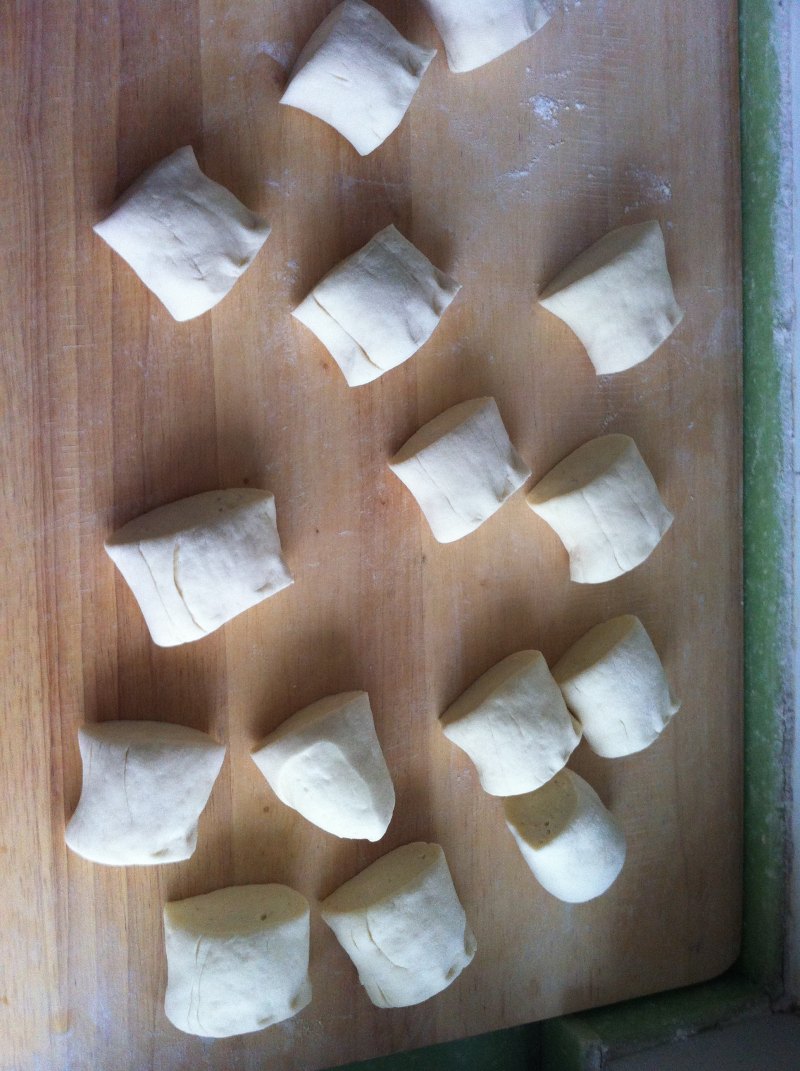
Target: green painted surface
{"points": [[505, 1050]]}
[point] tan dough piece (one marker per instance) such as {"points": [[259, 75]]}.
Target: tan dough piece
{"points": [[145, 784], [604, 505], [478, 31], [237, 960], [514, 725], [572, 844], [614, 683], [401, 923]]}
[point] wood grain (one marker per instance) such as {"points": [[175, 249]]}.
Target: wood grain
{"points": [[611, 114]]}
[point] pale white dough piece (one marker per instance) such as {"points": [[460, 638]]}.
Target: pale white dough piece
{"points": [[145, 784], [237, 959], [326, 762], [401, 923], [186, 237], [614, 683], [358, 74], [604, 504], [617, 297], [514, 725], [378, 307], [475, 32], [573, 845], [198, 562], [461, 467]]}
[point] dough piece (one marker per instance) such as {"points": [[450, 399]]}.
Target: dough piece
{"points": [[614, 683], [604, 504], [514, 725], [237, 960], [617, 297], [477, 31], [378, 307], [573, 845], [326, 762], [358, 74], [145, 784], [186, 237], [196, 563], [461, 467], [401, 923]]}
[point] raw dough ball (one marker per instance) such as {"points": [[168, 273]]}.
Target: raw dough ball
{"points": [[237, 960], [145, 784], [186, 237], [378, 307], [461, 467], [401, 923], [514, 725], [326, 762], [358, 74], [617, 297], [573, 845], [604, 504], [196, 563], [614, 683], [477, 31]]}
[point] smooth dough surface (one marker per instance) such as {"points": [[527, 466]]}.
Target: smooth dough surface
{"points": [[145, 784], [604, 505], [196, 563], [186, 237], [475, 32], [326, 762], [614, 683], [461, 467], [378, 307], [403, 926], [514, 725], [572, 844], [358, 74], [617, 297], [237, 959]]}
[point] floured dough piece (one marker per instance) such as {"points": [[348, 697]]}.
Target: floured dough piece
{"points": [[145, 784], [196, 563], [617, 297], [477, 31], [573, 845], [237, 960], [326, 762], [605, 506], [378, 307], [614, 683], [401, 923], [514, 725], [186, 237], [461, 467], [358, 74]]}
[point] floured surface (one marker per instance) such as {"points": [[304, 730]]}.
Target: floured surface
{"points": [[114, 409]]}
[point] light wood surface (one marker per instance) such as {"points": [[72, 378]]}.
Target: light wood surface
{"points": [[616, 112]]}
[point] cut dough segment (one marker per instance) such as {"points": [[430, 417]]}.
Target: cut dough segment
{"points": [[477, 31], [145, 784], [237, 959], [514, 725], [186, 237], [461, 467], [326, 762], [614, 683], [617, 297], [573, 845], [358, 74], [378, 307], [197, 563], [401, 923], [604, 504]]}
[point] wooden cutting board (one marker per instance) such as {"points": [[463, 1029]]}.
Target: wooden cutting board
{"points": [[616, 112]]}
